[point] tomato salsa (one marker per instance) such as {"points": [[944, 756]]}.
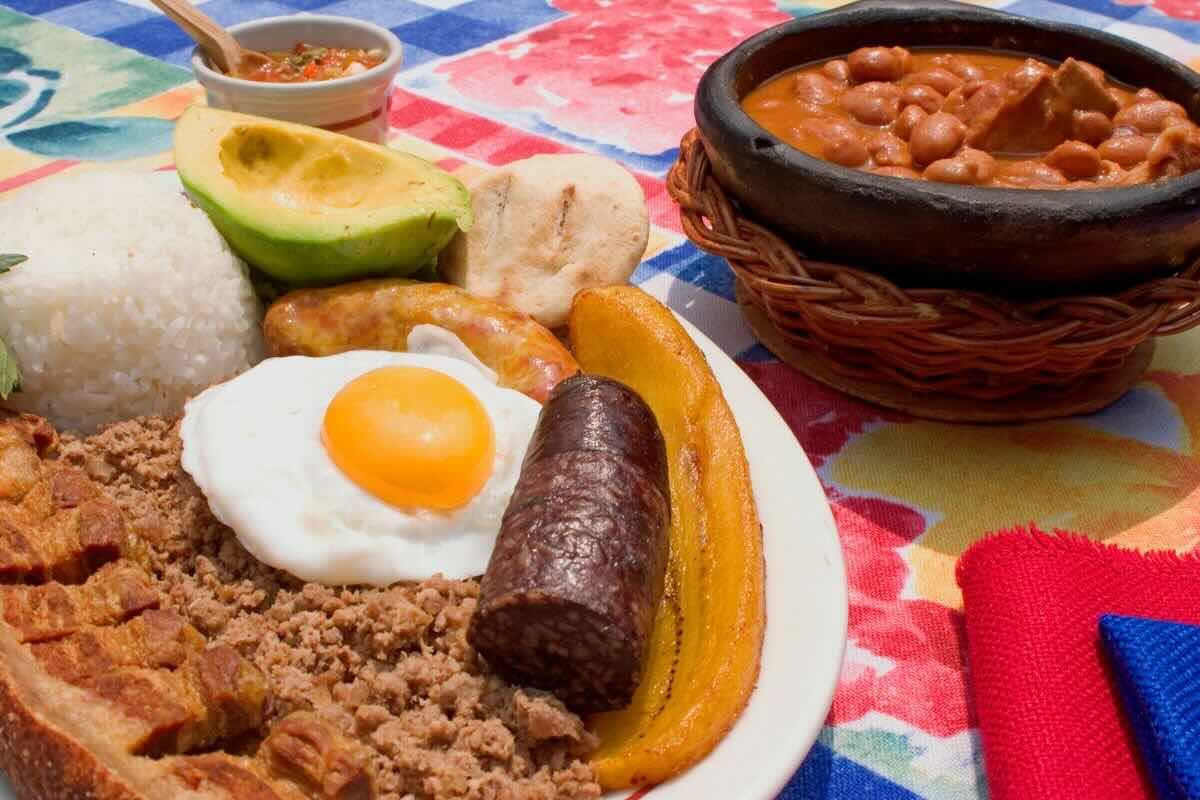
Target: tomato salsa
{"points": [[306, 62]]}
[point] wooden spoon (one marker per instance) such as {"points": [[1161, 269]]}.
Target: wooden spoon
{"points": [[216, 42]]}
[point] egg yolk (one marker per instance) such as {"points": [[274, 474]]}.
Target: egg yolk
{"points": [[411, 436]]}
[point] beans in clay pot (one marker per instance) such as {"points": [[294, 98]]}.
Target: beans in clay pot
{"points": [[978, 118]]}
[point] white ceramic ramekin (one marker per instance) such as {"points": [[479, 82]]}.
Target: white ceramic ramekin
{"points": [[355, 105]]}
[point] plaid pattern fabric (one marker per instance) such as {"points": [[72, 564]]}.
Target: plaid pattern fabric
{"points": [[96, 83]]}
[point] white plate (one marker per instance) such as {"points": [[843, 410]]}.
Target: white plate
{"points": [[806, 611]]}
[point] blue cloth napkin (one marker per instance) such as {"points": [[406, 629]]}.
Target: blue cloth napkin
{"points": [[1157, 665]]}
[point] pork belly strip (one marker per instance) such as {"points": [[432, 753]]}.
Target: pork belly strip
{"points": [[156, 638], [55, 524], [214, 696], [114, 593]]}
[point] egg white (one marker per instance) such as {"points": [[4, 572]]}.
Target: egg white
{"points": [[253, 446]]}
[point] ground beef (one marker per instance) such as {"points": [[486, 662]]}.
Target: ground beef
{"points": [[389, 666]]}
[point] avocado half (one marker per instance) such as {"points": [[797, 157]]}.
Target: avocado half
{"points": [[311, 207]]}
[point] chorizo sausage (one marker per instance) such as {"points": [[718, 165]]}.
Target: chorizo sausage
{"points": [[569, 596], [379, 315]]}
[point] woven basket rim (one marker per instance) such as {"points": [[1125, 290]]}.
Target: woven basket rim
{"points": [[930, 339]]}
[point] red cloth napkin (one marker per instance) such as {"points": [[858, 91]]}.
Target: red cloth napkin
{"points": [[1049, 713]]}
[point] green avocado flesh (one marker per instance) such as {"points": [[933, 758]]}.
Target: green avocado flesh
{"points": [[310, 207]]}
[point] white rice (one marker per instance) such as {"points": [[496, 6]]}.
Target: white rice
{"points": [[129, 304]]}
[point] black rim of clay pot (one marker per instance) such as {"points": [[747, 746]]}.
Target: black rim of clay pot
{"points": [[730, 78]]}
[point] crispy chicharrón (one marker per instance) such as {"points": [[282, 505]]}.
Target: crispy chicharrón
{"points": [[106, 695]]}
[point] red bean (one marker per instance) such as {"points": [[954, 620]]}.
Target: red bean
{"points": [[956, 104], [1128, 151], [837, 71], [941, 79], [889, 150], [980, 161], [816, 89], [1110, 174], [1153, 116], [1030, 175], [840, 143], [1146, 96], [880, 89], [878, 63], [963, 67], [927, 97], [907, 121], [874, 103], [1077, 160], [970, 168], [936, 137], [971, 87], [1090, 126]]}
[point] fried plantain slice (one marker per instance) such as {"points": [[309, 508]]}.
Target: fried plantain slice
{"points": [[708, 632]]}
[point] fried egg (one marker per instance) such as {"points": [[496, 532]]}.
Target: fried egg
{"points": [[366, 467]]}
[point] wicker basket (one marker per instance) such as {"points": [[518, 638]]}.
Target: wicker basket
{"points": [[905, 347]]}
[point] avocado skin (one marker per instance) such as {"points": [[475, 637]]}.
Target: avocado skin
{"points": [[397, 249]]}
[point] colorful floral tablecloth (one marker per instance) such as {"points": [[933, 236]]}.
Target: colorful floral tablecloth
{"points": [[96, 84]]}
